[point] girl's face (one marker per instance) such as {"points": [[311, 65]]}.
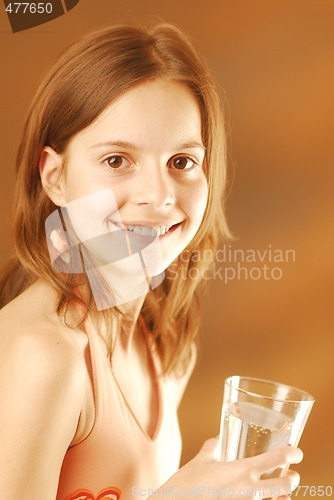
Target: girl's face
{"points": [[146, 149]]}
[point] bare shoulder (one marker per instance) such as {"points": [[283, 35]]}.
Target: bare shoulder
{"points": [[32, 337], [41, 389], [37, 354]]}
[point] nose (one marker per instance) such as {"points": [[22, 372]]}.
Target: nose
{"points": [[154, 186]]}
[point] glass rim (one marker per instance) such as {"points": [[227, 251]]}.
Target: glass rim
{"points": [[228, 381]]}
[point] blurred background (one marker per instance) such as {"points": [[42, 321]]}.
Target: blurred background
{"points": [[272, 317]]}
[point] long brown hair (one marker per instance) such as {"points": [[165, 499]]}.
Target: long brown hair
{"points": [[84, 80]]}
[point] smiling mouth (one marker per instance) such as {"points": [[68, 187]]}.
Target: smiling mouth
{"points": [[145, 230]]}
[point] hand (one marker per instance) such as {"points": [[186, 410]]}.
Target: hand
{"points": [[205, 477]]}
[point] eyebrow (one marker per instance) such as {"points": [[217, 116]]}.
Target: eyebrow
{"points": [[128, 145]]}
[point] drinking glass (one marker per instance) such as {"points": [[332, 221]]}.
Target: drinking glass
{"points": [[260, 415]]}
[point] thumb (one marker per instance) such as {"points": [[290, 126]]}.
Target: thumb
{"points": [[210, 447]]}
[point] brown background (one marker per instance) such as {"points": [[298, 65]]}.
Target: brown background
{"points": [[274, 60]]}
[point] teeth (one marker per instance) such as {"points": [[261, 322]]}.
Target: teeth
{"points": [[163, 230], [149, 231], [144, 230]]}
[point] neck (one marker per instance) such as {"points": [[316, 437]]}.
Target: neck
{"points": [[128, 335], [113, 286], [124, 325], [125, 332]]}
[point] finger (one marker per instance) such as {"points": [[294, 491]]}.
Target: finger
{"points": [[282, 486], [277, 458]]}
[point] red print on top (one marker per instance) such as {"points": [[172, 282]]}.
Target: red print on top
{"points": [[107, 494]]}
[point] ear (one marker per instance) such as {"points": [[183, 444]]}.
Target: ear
{"points": [[50, 169]]}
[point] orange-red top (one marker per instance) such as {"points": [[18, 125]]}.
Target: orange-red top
{"points": [[118, 459]]}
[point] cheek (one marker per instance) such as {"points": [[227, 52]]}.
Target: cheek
{"points": [[81, 178], [196, 200], [89, 215]]}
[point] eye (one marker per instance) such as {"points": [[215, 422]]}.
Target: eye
{"points": [[117, 162], [182, 163]]}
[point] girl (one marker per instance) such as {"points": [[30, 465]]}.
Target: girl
{"points": [[121, 174]]}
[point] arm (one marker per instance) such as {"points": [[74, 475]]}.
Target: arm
{"points": [[41, 394]]}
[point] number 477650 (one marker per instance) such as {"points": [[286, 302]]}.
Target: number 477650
{"points": [[31, 8]]}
